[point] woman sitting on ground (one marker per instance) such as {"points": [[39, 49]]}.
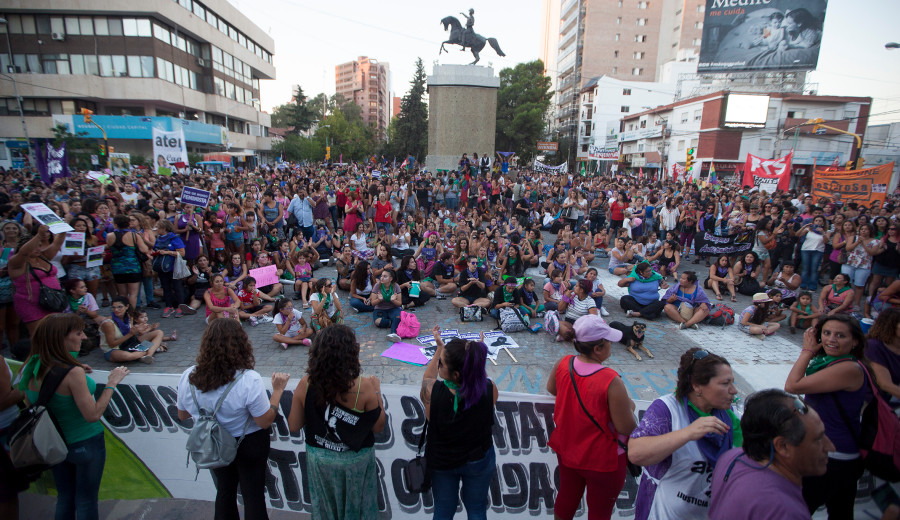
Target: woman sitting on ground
{"points": [[221, 301], [411, 283], [721, 277], [686, 302], [201, 275], [387, 299], [837, 298], [290, 326], [575, 304], [122, 340], [642, 300], [326, 305]]}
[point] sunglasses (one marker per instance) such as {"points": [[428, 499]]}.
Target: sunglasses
{"points": [[698, 355]]}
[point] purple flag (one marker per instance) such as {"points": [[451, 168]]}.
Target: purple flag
{"points": [[57, 162], [40, 160]]}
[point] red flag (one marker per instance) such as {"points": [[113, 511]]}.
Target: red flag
{"points": [[403, 164], [768, 174], [640, 173]]}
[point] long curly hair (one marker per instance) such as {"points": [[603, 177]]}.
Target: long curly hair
{"points": [[333, 363], [224, 349], [885, 327]]}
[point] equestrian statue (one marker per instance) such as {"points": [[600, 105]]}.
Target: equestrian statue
{"points": [[467, 37]]}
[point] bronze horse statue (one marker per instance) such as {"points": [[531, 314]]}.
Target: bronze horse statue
{"points": [[477, 41]]}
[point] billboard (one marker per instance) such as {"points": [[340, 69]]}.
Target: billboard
{"points": [[169, 151], [746, 111], [742, 35], [547, 146]]}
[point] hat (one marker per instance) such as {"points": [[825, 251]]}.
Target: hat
{"points": [[761, 297], [591, 327]]}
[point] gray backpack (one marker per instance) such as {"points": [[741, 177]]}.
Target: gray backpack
{"points": [[209, 444]]}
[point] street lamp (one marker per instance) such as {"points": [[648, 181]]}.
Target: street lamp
{"points": [[3, 21]]}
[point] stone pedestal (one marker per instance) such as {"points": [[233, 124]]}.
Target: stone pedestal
{"points": [[462, 114]]}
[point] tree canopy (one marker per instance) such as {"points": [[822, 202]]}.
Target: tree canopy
{"points": [[297, 114], [522, 104], [408, 132]]}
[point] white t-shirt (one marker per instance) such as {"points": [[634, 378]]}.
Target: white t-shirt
{"points": [[129, 198], [330, 310], [295, 323], [247, 398]]}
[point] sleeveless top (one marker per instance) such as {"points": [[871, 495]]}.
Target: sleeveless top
{"points": [[457, 438], [336, 427], [230, 234], [124, 257], [683, 491], [72, 425], [576, 440], [217, 302], [835, 426], [270, 214]]}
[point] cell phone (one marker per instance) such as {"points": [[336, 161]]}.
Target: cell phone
{"points": [[885, 495]]}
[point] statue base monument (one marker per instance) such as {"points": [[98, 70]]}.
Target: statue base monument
{"points": [[462, 114]]}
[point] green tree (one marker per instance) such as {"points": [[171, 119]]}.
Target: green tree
{"points": [[352, 112], [298, 148], [79, 148], [522, 104], [352, 139], [297, 114], [409, 135], [320, 105]]}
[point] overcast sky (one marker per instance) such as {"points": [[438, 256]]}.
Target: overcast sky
{"points": [[311, 37]]}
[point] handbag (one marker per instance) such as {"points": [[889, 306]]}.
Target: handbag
{"points": [[633, 469], [180, 271], [35, 443], [50, 299], [141, 256], [416, 476]]}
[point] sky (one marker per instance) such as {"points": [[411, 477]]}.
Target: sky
{"points": [[311, 37]]}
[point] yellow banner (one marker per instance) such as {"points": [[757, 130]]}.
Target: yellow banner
{"points": [[867, 187]]}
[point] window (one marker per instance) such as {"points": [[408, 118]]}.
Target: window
{"points": [[223, 27], [129, 26], [619, 21], [147, 66], [216, 54], [101, 26], [640, 38], [14, 23], [618, 36], [684, 117], [56, 25], [626, 91], [643, 5], [120, 67], [830, 115], [849, 114], [165, 70], [143, 28], [643, 123], [76, 63], [106, 66], [72, 26], [698, 114], [229, 90], [615, 70], [700, 8], [91, 65], [624, 109], [134, 67], [86, 26], [43, 24], [680, 146], [28, 26], [642, 21], [211, 19], [161, 33], [115, 27], [199, 11], [795, 113], [55, 63], [695, 42], [220, 86], [698, 25], [615, 54], [637, 55], [637, 71]]}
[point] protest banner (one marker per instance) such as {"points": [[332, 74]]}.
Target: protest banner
{"points": [[707, 243], [195, 196], [74, 243], [603, 154], [102, 178], [540, 167], [768, 174], [168, 150], [265, 276], [867, 187], [120, 163], [95, 256], [142, 415], [44, 215]]}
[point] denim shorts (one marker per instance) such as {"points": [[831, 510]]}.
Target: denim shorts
{"points": [[80, 272], [857, 276]]}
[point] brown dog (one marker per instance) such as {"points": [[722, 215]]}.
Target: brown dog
{"points": [[633, 336]]}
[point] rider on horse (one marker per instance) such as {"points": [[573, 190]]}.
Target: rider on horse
{"points": [[470, 32]]}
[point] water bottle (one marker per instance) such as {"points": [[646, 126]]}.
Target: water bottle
{"points": [[737, 405]]}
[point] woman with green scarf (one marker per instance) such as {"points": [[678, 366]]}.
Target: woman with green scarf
{"points": [[387, 298], [831, 373], [642, 300], [326, 306], [837, 298]]}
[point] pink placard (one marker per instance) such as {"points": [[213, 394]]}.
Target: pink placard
{"points": [[407, 353], [265, 276]]}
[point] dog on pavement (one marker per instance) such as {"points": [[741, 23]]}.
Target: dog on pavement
{"points": [[633, 337]]}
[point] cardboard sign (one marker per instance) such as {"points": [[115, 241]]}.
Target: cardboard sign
{"points": [[265, 276], [197, 197], [44, 215], [95, 256], [74, 244]]}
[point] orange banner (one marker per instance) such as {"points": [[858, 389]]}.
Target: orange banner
{"points": [[866, 187]]}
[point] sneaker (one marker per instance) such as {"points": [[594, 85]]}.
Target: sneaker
{"points": [[393, 337], [253, 321], [284, 346], [440, 296], [266, 319], [695, 326], [603, 311], [306, 342], [179, 313], [187, 309], [681, 326], [167, 313], [629, 313]]}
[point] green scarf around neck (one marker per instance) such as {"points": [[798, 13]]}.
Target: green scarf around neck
{"points": [[455, 387], [821, 360], [653, 276], [387, 293]]}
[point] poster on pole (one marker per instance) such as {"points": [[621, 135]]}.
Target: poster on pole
{"points": [[169, 149], [761, 35], [867, 187], [44, 215], [768, 175]]}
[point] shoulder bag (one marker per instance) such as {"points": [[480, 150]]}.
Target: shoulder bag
{"points": [[633, 469], [50, 299], [416, 476]]}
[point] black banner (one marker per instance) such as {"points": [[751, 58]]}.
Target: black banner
{"points": [[707, 243]]}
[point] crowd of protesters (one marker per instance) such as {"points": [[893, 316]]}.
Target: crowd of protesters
{"points": [[398, 237]]}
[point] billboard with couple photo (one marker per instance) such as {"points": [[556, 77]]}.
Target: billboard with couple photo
{"points": [[765, 35]]}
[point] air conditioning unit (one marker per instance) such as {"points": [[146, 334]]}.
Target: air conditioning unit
{"points": [[800, 171], [58, 36], [201, 62]]}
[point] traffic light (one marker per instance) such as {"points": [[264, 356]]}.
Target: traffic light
{"points": [[689, 161], [849, 165], [860, 163], [327, 153], [102, 150], [87, 115]]}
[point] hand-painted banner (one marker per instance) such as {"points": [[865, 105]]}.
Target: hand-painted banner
{"points": [[768, 175], [603, 154], [142, 415], [707, 243], [867, 187], [540, 167]]}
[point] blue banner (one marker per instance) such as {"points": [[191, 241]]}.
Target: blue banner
{"points": [[141, 127]]}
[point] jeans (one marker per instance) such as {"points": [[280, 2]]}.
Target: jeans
{"points": [[452, 203], [810, 269], [358, 304], [78, 480], [173, 294], [307, 231], [249, 470], [389, 318], [334, 215], [598, 300], [147, 284], [476, 477], [386, 226]]}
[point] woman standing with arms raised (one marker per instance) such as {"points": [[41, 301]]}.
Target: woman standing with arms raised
{"points": [[586, 445], [460, 409], [225, 366], [76, 411], [340, 412]]}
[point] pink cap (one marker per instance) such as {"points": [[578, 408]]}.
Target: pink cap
{"points": [[592, 328]]}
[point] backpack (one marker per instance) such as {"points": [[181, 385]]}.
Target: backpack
{"points": [[163, 263], [409, 325], [879, 438], [35, 443], [511, 320], [209, 444], [471, 313], [551, 322], [720, 315]]}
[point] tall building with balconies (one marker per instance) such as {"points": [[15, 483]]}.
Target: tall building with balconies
{"points": [[365, 81], [137, 65]]}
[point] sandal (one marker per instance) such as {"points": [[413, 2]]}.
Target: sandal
{"points": [[163, 348], [173, 337], [719, 297], [105, 302], [146, 359], [734, 298]]}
